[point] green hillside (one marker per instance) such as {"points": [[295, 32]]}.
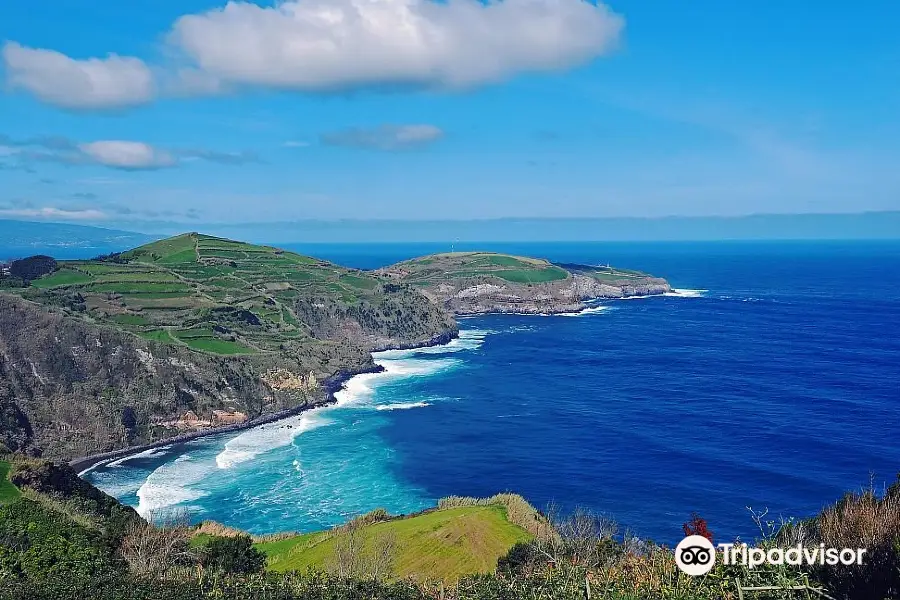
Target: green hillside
{"points": [[442, 544], [112, 352], [468, 283], [64, 539], [455, 266], [429, 270], [229, 298], [8, 492]]}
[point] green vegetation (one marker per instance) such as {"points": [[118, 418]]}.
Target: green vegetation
{"points": [[63, 277], [82, 338], [441, 544], [179, 283], [483, 282], [437, 268], [63, 540], [8, 492], [533, 275]]}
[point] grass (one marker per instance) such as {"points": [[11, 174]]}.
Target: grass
{"points": [[134, 287], [217, 346], [125, 319], [63, 277], [365, 283], [436, 545], [466, 265], [533, 275], [177, 283], [8, 492], [157, 335]]}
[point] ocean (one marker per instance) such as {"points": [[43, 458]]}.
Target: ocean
{"points": [[770, 380]]}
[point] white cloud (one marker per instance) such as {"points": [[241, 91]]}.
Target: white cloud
{"points": [[295, 144], [49, 212], [385, 137], [322, 45], [90, 84], [126, 155]]}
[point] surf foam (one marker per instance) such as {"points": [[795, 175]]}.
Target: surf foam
{"points": [[170, 485], [402, 406], [685, 293], [253, 442]]}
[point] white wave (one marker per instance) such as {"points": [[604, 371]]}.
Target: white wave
{"points": [[253, 442], [469, 339], [684, 293], [151, 453], [93, 466], [673, 293], [402, 406], [361, 388], [357, 390], [591, 310], [170, 485]]}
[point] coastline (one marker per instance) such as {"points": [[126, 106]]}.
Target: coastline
{"points": [[330, 385], [583, 305], [334, 384]]}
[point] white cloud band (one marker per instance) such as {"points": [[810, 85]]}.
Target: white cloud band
{"points": [[94, 83], [332, 45]]}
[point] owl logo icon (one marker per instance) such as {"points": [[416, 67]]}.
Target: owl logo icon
{"points": [[695, 555]]}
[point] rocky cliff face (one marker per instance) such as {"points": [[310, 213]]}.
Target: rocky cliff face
{"points": [[473, 296], [70, 388], [488, 282]]}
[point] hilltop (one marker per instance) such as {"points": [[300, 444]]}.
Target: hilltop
{"points": [[487, 282], [461, 536], [193, 332], [113, 352]]}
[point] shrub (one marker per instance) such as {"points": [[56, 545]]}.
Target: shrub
{"points": [[32, 267], [863, 520], [697, 526], [233, 555]]}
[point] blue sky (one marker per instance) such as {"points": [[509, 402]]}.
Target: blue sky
{"points": [[128, 113]]}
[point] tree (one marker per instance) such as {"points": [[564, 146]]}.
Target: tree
{"points": [[233, 555], [32, 267], [698, 526]]}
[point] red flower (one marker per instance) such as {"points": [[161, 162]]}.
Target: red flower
{"points": [[697, 526]]}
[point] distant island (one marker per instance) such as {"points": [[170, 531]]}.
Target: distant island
{"points": [[194, 333]]}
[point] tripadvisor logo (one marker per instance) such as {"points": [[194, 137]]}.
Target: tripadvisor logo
{"points": [[695, 555]]}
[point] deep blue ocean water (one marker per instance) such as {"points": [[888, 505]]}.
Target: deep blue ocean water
{"points": [[777, 387]]}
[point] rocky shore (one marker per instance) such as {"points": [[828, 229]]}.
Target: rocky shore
{"points": [[572, 295], [329, 387]]}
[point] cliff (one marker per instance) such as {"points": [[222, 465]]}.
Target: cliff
{"points": [[482, 282], [173, 338], [106, 354]]}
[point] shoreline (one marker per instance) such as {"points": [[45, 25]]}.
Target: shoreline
{"points": [[583, 305], [330, 385]]}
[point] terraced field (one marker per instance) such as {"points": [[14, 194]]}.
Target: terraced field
{"points": [[225, 297]]}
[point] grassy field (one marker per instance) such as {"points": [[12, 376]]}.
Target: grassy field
{"points": [[8, 492], [436, 545], [483, 266], [167, 290], [431, 270]]}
